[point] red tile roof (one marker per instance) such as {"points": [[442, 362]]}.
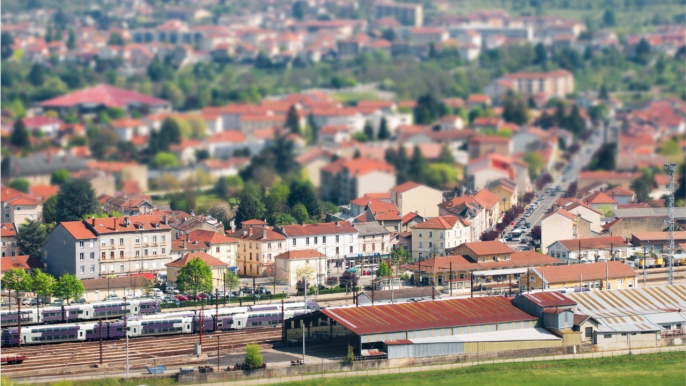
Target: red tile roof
{"points": [[427, 315], [605, 175], [78, 230], [487, 197], [43, 192], [384, 211], [208, 237], [232, 136], [208, 259], [440, 222], [619, 191], [594, 243], [550, 299], [147, 222], [8, 230], [302, 254], [561, 212], [402, 188], [593, 271], [16, 197], [487, 247], [658, 236], [254, 222], [257, 234], [358, 166], [600, 198], [327, 228], [12, 262], [103, 94]]}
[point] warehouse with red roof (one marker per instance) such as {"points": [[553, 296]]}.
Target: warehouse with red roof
{"points": [[426, 328]]}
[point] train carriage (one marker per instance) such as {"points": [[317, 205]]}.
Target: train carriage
{"points": [[9, 318]]}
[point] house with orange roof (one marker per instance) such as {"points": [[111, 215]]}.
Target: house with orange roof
{"points": [[311, 161], [621, 195], [346, 179], [122, 172], [258, 245], [290, 262], [345, 116], [660, 182], [623, 179], [331, 135], [491, 203], [9, 239], [217, 267], [557, 83], [412, 197], [585, 210], [128, 128], [185, 150], [478, 100], [384, 213], [562, 225], [482, 145], [18, 207], [482, 171], [337, 240], [43, 192], [223, 144], [213, 243], [591, 250], [601, 201], [506, 190], [432, 237]]}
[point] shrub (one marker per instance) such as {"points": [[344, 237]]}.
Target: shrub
{"points": [[253, 358]]}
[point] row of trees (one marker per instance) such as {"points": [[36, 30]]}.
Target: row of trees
{"points": [[67, 287], [418, 169]]}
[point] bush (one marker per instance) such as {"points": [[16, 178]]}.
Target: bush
{"points": [[253, 358], [349, 358]]}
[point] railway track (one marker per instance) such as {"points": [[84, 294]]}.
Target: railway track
{"points": [[77, 357]]}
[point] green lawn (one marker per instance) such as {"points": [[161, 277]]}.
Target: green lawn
{"points": [[652, 369], [354, 96]]}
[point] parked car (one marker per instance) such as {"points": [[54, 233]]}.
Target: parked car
{"points": [[79, 301], [26, 301], [181, 298], [112, 297], [36, 301], [171, 290]]}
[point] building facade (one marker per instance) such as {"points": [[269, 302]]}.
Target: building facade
{"points": [[432, 237]]}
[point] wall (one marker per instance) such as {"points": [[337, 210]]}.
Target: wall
{"points": [[553, 228], [422, 200], [60, 254], [626, 226]]}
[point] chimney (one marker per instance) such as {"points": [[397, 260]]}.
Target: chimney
{"points": [[250, 231], [184, 244], [264, 233], [338, 224], [116, 223], [188, 236], [245, 233], [165, 219], [93, 221]]}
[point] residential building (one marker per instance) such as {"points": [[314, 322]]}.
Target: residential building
{"points": [[605, 276], [621, 195], [469, 209], [131, 286], [482, 171], [217, 266], [506, 190], [557, 84], [104, 246], [590, 249], [384, 214], [288, 264], [217, 245], [128, 206], [258, 244], [407, 14], [13, 262], [18, 207], [601, 202], [491, 203], [482, 145], [587, 178], [587, 212], [656, 242], [432, 237], [311, 162], [483, 251], [336, 240], [412, 197], [9, 240], [373, 238], [346, 179], [562, 225]]}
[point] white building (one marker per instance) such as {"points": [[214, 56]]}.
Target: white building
{"points": [[333, 239], [432, 237]]}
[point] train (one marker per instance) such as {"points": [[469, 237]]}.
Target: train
{"points": [[173, 323], [80, 312]]}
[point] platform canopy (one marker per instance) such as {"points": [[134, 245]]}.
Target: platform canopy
{"points": [[499, 272]]}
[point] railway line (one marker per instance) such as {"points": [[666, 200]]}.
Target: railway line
{"points": [[84, 357]]}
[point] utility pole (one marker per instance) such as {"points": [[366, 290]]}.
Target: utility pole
{"points": [[303, 325], [18, 320], [202, 320], [670, 168], [450, 280], [644, 265], [218, 365], [216, 310]]}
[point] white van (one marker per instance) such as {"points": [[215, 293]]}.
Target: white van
{"points": [[156, 292]]}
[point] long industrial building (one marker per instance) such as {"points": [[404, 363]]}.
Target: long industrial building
{"points": [[427, 328]]}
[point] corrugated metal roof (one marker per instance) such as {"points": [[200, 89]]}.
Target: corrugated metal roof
{"points": [[550, 299], [635, 309], [427, 315]]}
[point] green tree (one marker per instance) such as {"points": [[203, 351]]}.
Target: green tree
{"points": [[418, 167], [165, 159], [368, 131], [174, 94], [284, 219], [535, 162], [384, 133], [389, 34], [15, 280], [670, 148], [314, 128], [299, 8], [20, 135], [299, 213], [603, 93], [253, 358], [384, 270], [292, 120], [251, 204], [76, 199], [41, 283], [440, 175], [349, 358], [227, 187], [19, 184], [170, 133], [642, 54], [31, 237], [609, 19], [276, 202], [50, 210], [303, 192], [574, 122], [400, 256], [642, 186], [68, 287], [232, 280], [71, 39], [59, 176], [605, 158], [156, 70], [428, 109], [6, 43], [541, 57], [195, 277], [515, 109], [37, 75], [116, 39]]}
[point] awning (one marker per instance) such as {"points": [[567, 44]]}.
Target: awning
{"points": [[147, 275], [498, 272]]}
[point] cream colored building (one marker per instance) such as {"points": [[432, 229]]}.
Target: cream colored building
{"points": [[215, 244], [562, 225], [288, 264], [9, 240], [217, 266], [18, 207], [506, 190], [587, 212], [373, 239], [412, 197], [258, 244], [609, 275], [432, 237]]}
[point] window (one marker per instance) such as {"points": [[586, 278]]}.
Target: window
{"points": [[421, 245], [364, 247], [323, 239], [111, 241], [336, 238], [307, 241], [217, 249], [121, 254], [18, 208], [420, 234], [82, 269], [81, 244], [431, 234], [154, 239], [351, 249], [164, 251], [154, 252], [440, 235], [294, 241], [103, 242], [81, 256], [315, 239], [164, 238], [137, 240], [92, 269], [431, 244], [145, 252], [138, 253], [121, 241], [269, 246], [104, 255], [588, 331], [280, 245], [111, 255], [121, 267]]}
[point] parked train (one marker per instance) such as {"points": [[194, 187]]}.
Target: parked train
{"points": [[174, 323], [80, 312]]}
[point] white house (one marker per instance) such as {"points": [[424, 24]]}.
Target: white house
{"points": [[335, 240]]}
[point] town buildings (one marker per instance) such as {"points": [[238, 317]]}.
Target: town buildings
{"points": [[431, 238], [258, 244]]}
